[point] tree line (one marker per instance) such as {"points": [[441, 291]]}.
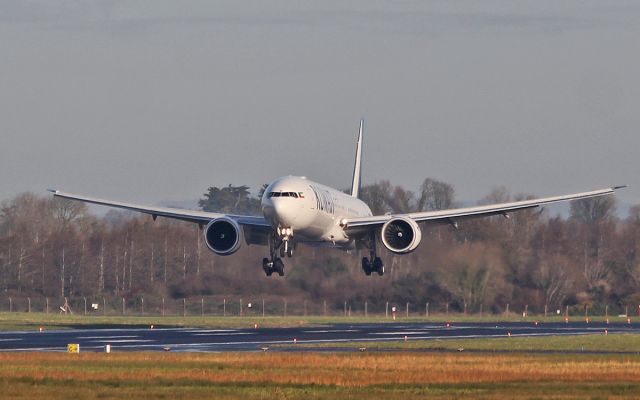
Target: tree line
{"points": [[591, 258]]}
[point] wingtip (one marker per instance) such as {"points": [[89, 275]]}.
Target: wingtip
{"points": [[619, 187], [54, 191]]}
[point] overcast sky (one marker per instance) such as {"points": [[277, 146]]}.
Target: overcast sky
{"points": [[153, 101]]}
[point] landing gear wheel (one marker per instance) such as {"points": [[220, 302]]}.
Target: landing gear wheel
{"points": [[289, 251], [366, 266], [378, 266], [278, 266], [267, 266]]}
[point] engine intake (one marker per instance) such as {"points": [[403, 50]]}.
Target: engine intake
{"points": [[401, 235], [223, 236]]}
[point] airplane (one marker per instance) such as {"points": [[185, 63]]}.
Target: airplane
{"points": [[297, 211]]}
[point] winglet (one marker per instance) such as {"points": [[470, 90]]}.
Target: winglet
{"points": [[54, 191], [355, 185], [619, 187]]}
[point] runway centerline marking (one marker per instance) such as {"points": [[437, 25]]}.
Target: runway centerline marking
{"points": [[224, 334], [124, 341], [109, 337]]}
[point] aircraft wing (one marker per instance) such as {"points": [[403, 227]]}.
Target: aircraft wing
{"points": [[453, 215], [200, 217]]}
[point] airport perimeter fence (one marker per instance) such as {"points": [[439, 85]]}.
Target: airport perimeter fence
{"points": [[220, 306]]}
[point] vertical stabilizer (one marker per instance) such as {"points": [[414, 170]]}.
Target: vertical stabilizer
{"points": [[355, 186]]}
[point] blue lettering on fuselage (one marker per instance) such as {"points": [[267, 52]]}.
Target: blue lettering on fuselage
{"points": [[324, 200]]}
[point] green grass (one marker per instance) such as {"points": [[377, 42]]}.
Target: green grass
{"points": [[612, 343], [32, 321]]}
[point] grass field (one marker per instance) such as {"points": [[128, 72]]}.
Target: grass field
{"points": [[612, 343], [315, 376], [32, 321]]}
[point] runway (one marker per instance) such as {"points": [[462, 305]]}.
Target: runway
{"points": [[253, 339]]}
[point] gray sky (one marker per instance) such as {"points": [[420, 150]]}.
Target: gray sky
{"points": [[156, 100]]}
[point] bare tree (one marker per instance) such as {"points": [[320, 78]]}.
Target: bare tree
{"points": [[435, 195], [552, 280], [593, 210]]}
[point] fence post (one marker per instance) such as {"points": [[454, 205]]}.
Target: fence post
{"points": [[29, 301], [285, 307], [263, 307], [365, 310], [481, 309], [123, 306], [526, 310], [465, 308], [345, 308], [224, 307], [184, 307], [202, 306], [85, 305], [104, 306], [142, 306], [407, 309], [305, 308], [606, 311], [241, 307], [626, 311], [10, 304], [447, 309], [386, 310], [47, 300], [586, 311], [163, 306], [545, 311], [507, 310], [325, 308], [426, 310]]}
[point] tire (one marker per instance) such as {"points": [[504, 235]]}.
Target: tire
{"points": [[378, 266], [366, 266], [265, 266], [278, 266]]}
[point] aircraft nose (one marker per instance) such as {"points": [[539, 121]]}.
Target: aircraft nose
{"points": [[284, 212]]}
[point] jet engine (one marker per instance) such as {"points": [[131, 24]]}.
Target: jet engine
{"points": [[401, 235], [223, 236]]}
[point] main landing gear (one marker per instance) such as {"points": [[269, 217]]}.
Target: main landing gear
{"points": [[279, 247], [373, 263]]}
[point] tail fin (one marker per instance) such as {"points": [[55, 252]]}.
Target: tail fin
{"points": [[355, 186]]}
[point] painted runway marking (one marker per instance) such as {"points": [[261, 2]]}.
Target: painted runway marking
{"points": [[333, 331], [10, 340], [224, 334], [124, 341], [109, 337], [399, 333]]}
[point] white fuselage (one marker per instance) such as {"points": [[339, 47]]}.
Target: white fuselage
{"points": [[311, 210]]}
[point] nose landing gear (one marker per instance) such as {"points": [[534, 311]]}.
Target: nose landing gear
{"points": [[279, 245]]}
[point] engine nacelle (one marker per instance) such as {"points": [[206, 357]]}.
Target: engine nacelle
{"points": [[401, 235], [223, 236]]}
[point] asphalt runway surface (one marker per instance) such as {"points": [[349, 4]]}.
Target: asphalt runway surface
{"points": [[218, 340]]}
